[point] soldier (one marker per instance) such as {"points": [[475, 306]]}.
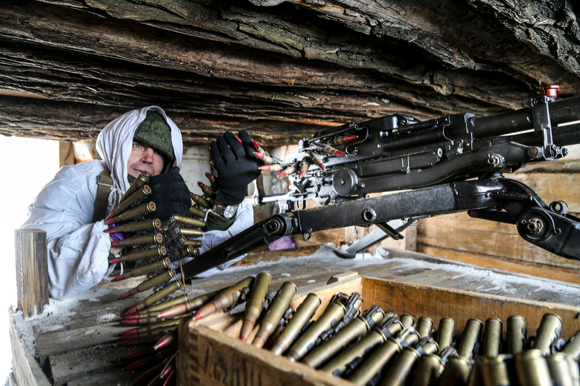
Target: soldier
{"points": [[145, 140]]}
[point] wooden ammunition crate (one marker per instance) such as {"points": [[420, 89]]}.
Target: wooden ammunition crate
{"points": [[210, 352]]}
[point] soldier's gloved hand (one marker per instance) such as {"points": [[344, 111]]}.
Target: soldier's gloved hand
{"points": [[236, 166], [170, 194]]}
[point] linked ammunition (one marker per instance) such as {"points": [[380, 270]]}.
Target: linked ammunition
{"points": [[286, 172], [258, 147], [187, 220], [169, 366], [445, 333], [254, 303], [166, 340], [560, 371], [197, 212], [206, 189], [304, 165], [270, 168], [298, 321], [189, 232], [136, 185], [344, 139], [354, 330], [156, 238], [400, 371], [549, 331], [380, 357], [429, 368], [145, 225], [225, 299], [333, 313], [331, 150], [139, 211], [167, 290], [150, 333], [389, 326], [517, 334], [532, 368], [211, 178], [456, 372], [139, 195], [168, 303], [275, 312], [469, 338], [151, 373], [200, 201], [153, 282], [425, 327], [265, 158], [492, 337], [573, 347], [317, 161], [574, 369], [151, 253], [194, 304], [150, 360], [145, 269]]}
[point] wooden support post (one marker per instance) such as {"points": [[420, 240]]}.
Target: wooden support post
{"points": [[31, 271]]}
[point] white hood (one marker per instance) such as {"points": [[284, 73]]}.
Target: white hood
{"points": [[115, 143]]}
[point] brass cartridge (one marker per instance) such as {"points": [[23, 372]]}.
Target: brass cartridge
{"points": [[574, 369], [254, 303], [139, 195], [189, 232], [139, 211], [354, 330], [168, 303], [197, 212], [456, 372], [573, 347], [211, 178], [304, 165], [495, 371], [271, 168], [532, 368], [225, 299], [167, 290], [295, 325], [333, 313], [429, 368], [275, 312], [407, 321], [147, 254], [469, 338], [188, 221], [200, 201], [209, 192], [148, 268], [189, 306], [382, 355], [517, 334], [549, 331], [560, 370], [425, 327], [388, 328], [145, 225], [492, 337], [148, 284], [136, 185], [287, 172], [445, 333], [156, 238], [400, 371]]}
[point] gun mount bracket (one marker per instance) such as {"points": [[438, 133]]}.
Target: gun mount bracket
{"points": [[536, 225]]}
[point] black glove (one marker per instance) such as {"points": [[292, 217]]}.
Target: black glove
{"points": [[170, 194], [236, 166]]}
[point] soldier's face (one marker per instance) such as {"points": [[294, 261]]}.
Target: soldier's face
{"points": [[144, 159]]}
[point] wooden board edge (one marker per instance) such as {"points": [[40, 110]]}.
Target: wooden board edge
{"points": [[24, 367]]}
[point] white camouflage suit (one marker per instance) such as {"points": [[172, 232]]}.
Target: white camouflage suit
{"points": [[78, 249]]}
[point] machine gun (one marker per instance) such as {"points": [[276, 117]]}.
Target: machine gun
{"points": [[440, 166]]}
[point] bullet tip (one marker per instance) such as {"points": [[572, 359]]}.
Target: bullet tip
{"points": [[131, 311], [124, 296], [197, 316], [115, 260], [120, 277]]}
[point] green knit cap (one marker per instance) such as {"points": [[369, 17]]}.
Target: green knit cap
{"points": [[155, 132]]}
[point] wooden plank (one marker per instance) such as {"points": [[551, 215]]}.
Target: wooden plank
{"points": [[26, 370], [224, 360], [554, 187], [490, 243], [418, 300], [31, 271], [428, 277], [569, 275]]}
